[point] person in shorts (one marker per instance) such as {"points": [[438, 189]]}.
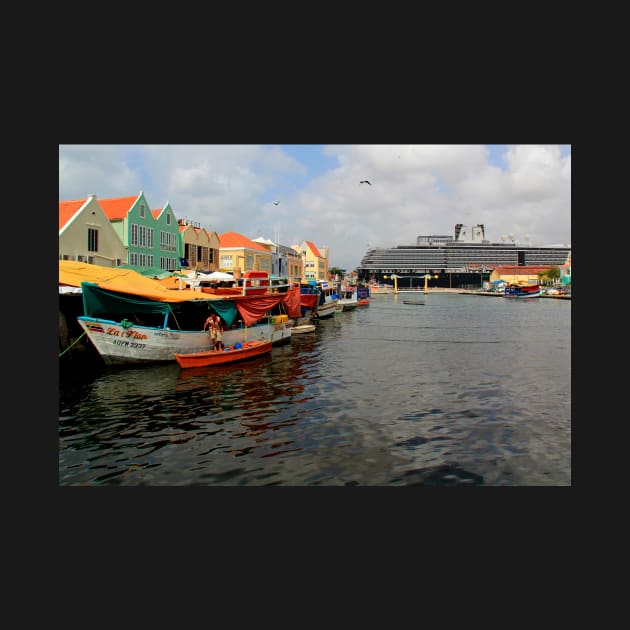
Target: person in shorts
{"points": [[218, 333], [211, 327]]}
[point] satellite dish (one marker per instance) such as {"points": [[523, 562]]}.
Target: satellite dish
{"points": [[503, 237]]}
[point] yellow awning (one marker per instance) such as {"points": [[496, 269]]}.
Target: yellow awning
{"points": [[73, 273]]}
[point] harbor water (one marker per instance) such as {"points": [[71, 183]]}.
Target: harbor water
{"points": [[454, 390]]}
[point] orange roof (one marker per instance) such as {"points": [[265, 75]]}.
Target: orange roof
{"points": [[67, 210], [156, 213], [314, 249], [118, 207], [234, 239]]}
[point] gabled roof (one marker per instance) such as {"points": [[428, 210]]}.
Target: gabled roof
{"points": [[67, 209], [118, 207], [313, 249], [234, 239]]}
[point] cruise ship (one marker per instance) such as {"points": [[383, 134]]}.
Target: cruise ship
{"points": [[463, 260]]}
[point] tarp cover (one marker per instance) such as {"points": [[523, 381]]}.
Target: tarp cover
{"points": [[252, 310], [73, 273], [97, 301], [292, 302], [225, 310], [103, 286]]}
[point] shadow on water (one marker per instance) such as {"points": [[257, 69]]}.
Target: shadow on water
{"points": [[446, 475]]}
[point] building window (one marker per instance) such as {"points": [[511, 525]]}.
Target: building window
{"points": [[134, 233], [142, 210], [168, 218], [92, 240], [226, 261]]}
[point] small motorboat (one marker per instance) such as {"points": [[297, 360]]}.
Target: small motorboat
{"points": [[238, 352], [303, 328], [416, 302]]}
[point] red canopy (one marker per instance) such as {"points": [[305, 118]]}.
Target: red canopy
{"points": [[253, 310]]}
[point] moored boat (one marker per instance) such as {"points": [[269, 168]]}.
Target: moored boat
{"points": [[348, 298], [303, 328], [380, 289], [522, 291], [363, 296], [230, 354], [318, 299], [328, 300], [131, 322]]}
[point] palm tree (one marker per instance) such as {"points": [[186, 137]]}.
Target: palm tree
{"points": [[549, 276]]}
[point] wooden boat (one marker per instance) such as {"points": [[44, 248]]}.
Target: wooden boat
{"points": [[380, 289], [133, 320], [348, 298], [413, 302], [246, 350], [522, 291], [303, 328], [318, 299]]}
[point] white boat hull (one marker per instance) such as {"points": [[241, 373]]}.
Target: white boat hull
{"points": [[303, 328], [118, 345], [326, 310]]}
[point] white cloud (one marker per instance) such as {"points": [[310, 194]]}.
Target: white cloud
{"points": [[416, 189]]}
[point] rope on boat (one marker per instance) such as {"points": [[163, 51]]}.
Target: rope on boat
{"points": [[170, 308], [72, 344]]}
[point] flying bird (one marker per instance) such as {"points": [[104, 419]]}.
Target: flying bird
{"points": [[365, 181], [275, 203]]}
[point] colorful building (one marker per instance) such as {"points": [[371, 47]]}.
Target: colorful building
{"points": [[238, 254], [315, 262], [515, 274], [200, 248], [86, 234], [150, 236]]}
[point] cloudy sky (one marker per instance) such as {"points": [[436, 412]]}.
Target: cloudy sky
{"points": [[522, 192]]}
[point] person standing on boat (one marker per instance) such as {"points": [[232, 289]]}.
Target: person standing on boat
{"points": [[218, 333], [211, 326]]}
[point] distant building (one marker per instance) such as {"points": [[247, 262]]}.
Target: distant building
{"points": [[514, 274], [315, 261], [285, 261], [200, 248]]}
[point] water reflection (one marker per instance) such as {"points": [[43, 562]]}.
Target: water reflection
{"points": [[463, 391]]}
